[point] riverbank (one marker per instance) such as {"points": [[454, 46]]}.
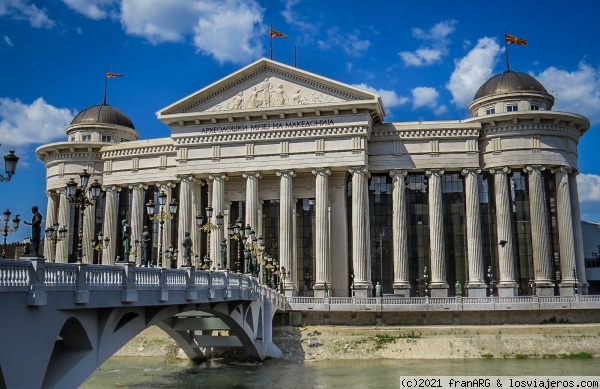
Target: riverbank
{"points": [[315, 343]]}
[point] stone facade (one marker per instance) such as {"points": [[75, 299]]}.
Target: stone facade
{"points": [[342, 199]]}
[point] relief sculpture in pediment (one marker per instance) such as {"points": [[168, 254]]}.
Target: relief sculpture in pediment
{"points": [[266, 94]]}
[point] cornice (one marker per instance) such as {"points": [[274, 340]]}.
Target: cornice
{"points": [[142, 151], [426, 133]]}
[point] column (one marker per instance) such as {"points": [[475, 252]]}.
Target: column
{"points": [[216, 236], [438, 285], [566, 240], [110, 225], [285, 228], [51, 208], [137, 222], [295, 271], [184, 211], [338, 235], [167, 236], [197, 208], [64, 217], [89, 222], [507, 285], [582, 287], [399, 233], [539, 231], [322, 265], [475, 283], [361, 263], [252, 200]]}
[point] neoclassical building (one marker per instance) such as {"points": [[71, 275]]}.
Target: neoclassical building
{"points": [[342, 199]]}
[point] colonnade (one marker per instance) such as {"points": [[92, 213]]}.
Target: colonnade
{"points": [[568, 215]]}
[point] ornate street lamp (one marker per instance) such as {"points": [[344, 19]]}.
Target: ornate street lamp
{"points": [[82, 201], [208, 228], [160, 217], [55, 234], [234, 233], [99, 246], [172, 256], [10, 165], [7, 230]]}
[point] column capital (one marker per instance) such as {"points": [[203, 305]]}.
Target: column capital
{"points": [[217, 176], [531, 168], [471, 170], [138, 186], [434, 172], [285, 173], [251, 174], [500, 170], [111, 188], [562, 169], [186, 177], [321, 171], [359, 170], [162, 184], [398, 173]]}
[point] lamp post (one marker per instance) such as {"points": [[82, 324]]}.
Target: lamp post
{"points": [[233, 231], [55, 234], [7, 230], [82, 200], [99, 246], [10, 165], [172, 256], [489, 276], [160, 217], [208, 228]]}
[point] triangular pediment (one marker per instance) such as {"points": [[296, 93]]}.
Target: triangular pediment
{"points": [[267, 85]]}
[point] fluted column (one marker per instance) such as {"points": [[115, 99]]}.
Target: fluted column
{"points": [[216, 236], [539, 231], [110, 225], [285, 228], [506, 258], [51, 210], [322, 265], [583, 285], [361, 263], [137, 222], [475, 283], [89, 222], [399, 233], [252, 199], [197, 208], [565, 231], [184, 213], [438, 285], [64, 217]]}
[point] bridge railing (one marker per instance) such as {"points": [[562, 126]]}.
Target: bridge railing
{"points": [[37, 277]]}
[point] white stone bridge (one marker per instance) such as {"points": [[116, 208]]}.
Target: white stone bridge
{"points": [[60, 322]]}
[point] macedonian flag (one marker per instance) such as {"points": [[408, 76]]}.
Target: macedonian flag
{"points": [[514, 40], [277, 34], [113, 75]]}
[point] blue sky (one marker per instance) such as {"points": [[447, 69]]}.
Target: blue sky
{"points": [[426, 59]]}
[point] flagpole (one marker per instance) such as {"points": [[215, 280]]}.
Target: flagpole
{"points": [[271, 37], [295, 65], [105, 77], [506, 46]]}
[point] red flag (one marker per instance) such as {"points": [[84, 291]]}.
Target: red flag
{"points": [[515, 40], [112, 75], [277, 34]]}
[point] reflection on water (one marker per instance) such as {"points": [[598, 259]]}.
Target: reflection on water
{"points": [[340, 374]]}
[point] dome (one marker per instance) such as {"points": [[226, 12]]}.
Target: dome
{"points": [[509, 81], [103, 114]]}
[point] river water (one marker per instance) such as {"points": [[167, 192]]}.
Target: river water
{"points": [[156, 372]]}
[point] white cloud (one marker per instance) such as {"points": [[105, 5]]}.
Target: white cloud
{"points": [[93, 9], [37, 123], [297, 19], [427, 97], [8, 41], [473, 70], [588, 186], [389, 97], [228, 30], [437, 38], [22, 10], [577, 91], [351, 43]]}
